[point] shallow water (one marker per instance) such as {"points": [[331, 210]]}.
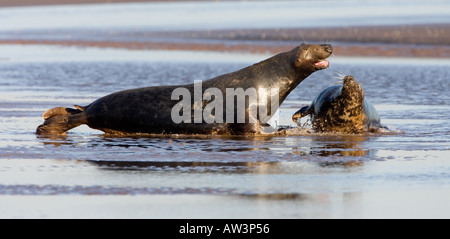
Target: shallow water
{"points": [[404, 172]]}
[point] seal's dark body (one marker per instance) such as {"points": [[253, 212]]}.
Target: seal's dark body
{"points": [[148, 110]]}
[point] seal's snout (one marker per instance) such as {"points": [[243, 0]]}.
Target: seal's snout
{"points": [[327, 48], [352, 89], [323, 52], [350, 82], [349, 79]]}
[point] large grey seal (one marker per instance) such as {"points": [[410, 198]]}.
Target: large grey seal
{"points": [[341, 108], [152, 109]]}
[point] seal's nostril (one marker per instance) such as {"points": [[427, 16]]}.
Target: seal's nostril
{"points": [[327, 47]]}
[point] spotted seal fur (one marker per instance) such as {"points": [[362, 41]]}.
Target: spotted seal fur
{"points": [[341, 108]]}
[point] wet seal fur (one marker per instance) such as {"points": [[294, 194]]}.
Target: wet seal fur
{"points": [[341, 108], [148, 110]]}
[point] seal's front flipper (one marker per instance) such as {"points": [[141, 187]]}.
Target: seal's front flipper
{"points": [[302, 112], [60, 111], [59, 120], [81, 108]]}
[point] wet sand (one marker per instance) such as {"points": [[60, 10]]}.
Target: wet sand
{"points": [[18, 3], [392, 41]]}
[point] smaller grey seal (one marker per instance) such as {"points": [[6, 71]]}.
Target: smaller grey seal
{"points": [[341, 108]]}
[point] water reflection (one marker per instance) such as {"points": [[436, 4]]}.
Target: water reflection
{"points": [[335, 145], [54, 140], [104, 190], [320, 199], [234, 167], [205, 153]]}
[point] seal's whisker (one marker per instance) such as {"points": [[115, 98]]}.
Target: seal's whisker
{"points": [[340, 75]]}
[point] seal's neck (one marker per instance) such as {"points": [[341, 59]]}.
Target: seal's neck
{"points": [[279, 72]]}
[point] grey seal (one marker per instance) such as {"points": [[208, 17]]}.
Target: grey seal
{"points": [[341, 108], [150, 109]]}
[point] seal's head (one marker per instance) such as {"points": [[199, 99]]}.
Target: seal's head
{"points": [[312, 57], [341, 108], [352, 90]]}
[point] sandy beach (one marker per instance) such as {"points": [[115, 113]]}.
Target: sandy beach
{"points": [[12, 3], [393, 41]]}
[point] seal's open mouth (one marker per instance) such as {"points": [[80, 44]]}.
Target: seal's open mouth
{"points": [[322, 64]]}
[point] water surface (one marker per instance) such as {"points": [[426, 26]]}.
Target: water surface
{"points": [[404, 172]]}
